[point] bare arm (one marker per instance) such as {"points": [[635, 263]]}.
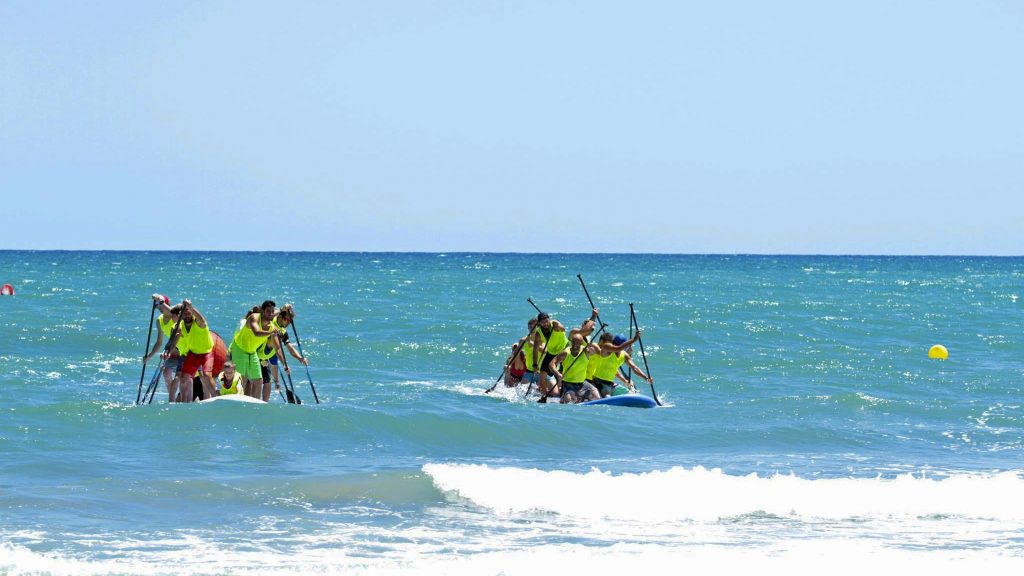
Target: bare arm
{"points": [[624, 346], [553, 366], [585, 329], [280, 353], [516, 349], [624, 380], [159, 340], [199, 318], [638, 371], [254, 325], [158, 301], [295, 353], [536, 350], [175, 335]]}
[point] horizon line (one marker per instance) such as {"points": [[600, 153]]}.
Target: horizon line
{"points": [[517, 253]]}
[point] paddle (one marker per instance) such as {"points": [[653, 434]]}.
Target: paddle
{"points": [[647, 368], [303, 354], [293, 398], [279, 393], [591, 300], [149, 338], [530, 300], [515, 352], [529, 387], [151, 387], [629, 372], [167, 348]]}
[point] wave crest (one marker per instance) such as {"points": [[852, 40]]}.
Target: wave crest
{"points": [[701, 494]]}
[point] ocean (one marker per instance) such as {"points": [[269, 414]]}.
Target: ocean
{"points": [[804, 428]]}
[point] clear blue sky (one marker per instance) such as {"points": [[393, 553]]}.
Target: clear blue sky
{"points": [[696, 127]]}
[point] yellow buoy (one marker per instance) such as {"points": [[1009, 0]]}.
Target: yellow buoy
{"points": [[938, 352]]}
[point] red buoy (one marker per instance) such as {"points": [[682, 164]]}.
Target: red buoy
{"points": [[220, 354], [6, 290]]}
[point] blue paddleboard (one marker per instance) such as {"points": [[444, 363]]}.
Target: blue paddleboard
{"points": [[630, 400]]}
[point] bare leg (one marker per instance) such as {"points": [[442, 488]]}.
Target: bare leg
{"points": [[185, 387], [544, 385], [208, 388], [172, 390], [169, 374], [266, 390], [254, 387]]}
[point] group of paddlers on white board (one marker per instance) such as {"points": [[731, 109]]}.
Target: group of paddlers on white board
{"points": [[196, 364], [574, 366]]}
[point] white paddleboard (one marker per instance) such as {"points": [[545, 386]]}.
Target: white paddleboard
{"points": [[233, 398]]}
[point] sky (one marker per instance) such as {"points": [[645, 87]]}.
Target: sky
{"points": [[867, 127]]}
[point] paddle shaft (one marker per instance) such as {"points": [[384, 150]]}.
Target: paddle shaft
{"points": [[154, 382], [293, 397], [298, 342], [167, 348], [529, 387], [149, 338], [647, 368], [592, 307], [629, 372], [530, 300], [515, 351]]}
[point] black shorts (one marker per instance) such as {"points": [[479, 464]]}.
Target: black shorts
{"points": [[545, 365], [604, 387], [266, 372]]}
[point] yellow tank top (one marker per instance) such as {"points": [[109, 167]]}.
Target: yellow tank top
{"points": [[167, 326], [609, 365], [197, 340], [528, 352], [575, 367], [556, 343], [236, 384], [246, 340], [266, 352], [592, 364]]}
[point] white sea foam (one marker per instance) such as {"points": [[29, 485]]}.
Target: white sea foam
{"points": [[833, 556], [698, 494]]}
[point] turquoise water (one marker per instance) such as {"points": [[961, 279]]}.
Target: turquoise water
{"points": [[802, 419]]}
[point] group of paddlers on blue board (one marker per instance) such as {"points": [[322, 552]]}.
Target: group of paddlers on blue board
{"points": [[196, 364], [575, 365]]}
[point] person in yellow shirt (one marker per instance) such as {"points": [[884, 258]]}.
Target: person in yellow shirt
{"points": [[547, 341], [268, 353], [169, 316], [229, 381], [572, 383], [256, 328], [195, 333], [612, 354]]}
